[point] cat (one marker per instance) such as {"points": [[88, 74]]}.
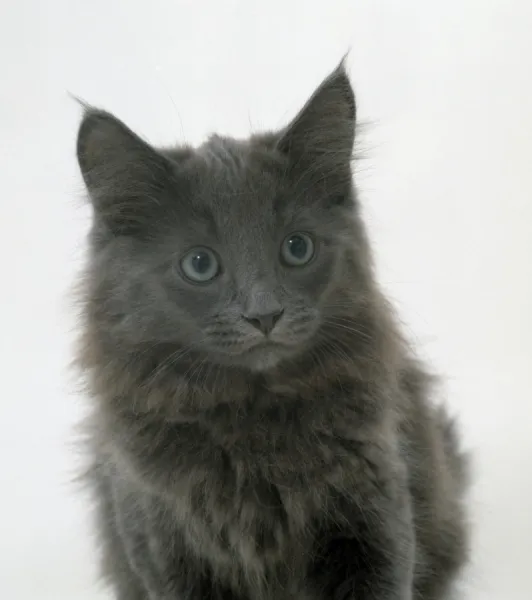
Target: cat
{"points": [[259, 429]]}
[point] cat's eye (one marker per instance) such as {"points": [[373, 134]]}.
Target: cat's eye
{"points": [[200, 265], [297, 249]]}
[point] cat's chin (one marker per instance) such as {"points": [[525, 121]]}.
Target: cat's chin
{"points": [[266, 358], [260, 358]]}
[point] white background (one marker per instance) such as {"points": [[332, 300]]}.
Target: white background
{"points": [[446, 182]]}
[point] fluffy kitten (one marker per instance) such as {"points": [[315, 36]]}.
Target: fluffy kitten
{"points": [[259, 431]]}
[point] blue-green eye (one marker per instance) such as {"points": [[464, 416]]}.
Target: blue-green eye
{"points": [[200, 265], [297, 249]]}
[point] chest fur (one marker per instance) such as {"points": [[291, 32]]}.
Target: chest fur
{"points": [[256, 490]]}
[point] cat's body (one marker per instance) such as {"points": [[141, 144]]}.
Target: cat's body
{"points": [[304, 462]]}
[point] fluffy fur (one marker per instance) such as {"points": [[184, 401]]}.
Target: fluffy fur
{"points": [[305, 464]]}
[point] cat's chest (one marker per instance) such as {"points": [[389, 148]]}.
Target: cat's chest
{"points": [[290, 447], [252, 519], [260, 487]]}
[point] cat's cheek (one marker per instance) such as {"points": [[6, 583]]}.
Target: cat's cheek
{"points": [[307, 289], [189, 307]]}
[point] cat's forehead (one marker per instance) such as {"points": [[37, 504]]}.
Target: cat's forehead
{"points": [[240, 182]]}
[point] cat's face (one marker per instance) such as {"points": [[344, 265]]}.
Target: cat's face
{"points": [[236, 251]]}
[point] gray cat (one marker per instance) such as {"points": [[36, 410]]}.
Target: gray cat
{"points": [[259, 429]]}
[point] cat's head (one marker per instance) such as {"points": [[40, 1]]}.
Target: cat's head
{"points": [[241, 252]]}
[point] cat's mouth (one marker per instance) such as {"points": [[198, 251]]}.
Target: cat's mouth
{"points": [[262, 346], [264, 354]]}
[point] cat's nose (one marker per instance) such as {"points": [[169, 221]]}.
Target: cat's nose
{"points": [[264, 322]]}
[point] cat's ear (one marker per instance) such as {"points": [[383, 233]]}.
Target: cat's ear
{"points": [[323, 133], [125, 176]]}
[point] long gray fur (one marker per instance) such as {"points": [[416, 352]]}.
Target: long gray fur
{"points": [[313, 467]]}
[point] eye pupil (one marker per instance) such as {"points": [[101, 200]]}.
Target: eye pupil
{"points": [[201, 262], [297, 247]]}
